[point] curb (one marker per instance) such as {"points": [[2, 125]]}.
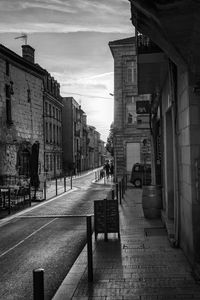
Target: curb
{"points": [[68, 287], [26, 210]]}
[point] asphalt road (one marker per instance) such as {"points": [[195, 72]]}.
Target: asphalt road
{"points": [[49, 235]]}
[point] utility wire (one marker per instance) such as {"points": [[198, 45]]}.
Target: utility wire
{"points": [[89, 96]]}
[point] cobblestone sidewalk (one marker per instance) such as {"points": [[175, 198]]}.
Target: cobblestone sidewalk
{"points": [[140, 266]]}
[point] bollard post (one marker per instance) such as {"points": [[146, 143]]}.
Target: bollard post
{"points": [[117, 188], [38, 284], [9, 203], [120, 192], [64, 183], [113, 194], [71, 181], [56, 187], [122, 189], [29, 192], [89, 248]]}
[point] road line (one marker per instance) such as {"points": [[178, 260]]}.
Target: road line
{"points": [[26, 238], [54, 216], [27, 210]]}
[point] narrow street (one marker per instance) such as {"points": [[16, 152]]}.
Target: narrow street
{"points": [[49, 235]]}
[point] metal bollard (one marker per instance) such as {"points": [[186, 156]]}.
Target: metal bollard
{"points": [[117, 188], [71, 182], [29, 194], [122, 188], [9, 202], [38, 284], [65, 183], [120, 192], [113, 194], [56, 187], [89, 248]]}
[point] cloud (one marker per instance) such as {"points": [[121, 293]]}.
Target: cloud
{"points": [[64, 16]]}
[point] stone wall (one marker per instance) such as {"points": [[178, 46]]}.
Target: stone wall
{"points": [[27, 115], [123, 54]]}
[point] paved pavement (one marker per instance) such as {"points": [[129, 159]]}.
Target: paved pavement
{"points": [[141, 265]]}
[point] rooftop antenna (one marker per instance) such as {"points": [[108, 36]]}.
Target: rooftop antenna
{"points": [[24, 37]]}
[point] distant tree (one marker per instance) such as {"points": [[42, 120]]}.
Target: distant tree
{"points": [[110, 143]]}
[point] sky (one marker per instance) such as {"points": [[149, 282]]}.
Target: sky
{"points": [[71, 39]]}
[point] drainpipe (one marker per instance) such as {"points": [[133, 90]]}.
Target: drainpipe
{"points": [[173, 81]]}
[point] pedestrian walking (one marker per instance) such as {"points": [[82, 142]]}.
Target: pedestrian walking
{"points": [[107, 169], [111, 169]]}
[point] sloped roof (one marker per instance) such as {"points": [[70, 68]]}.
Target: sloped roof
{"points": [[129, 40]]}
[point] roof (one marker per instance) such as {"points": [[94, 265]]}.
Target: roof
{"points": [[20, 61], [126, 41]]}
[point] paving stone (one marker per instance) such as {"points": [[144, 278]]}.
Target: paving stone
{"points": [[136, 267]]}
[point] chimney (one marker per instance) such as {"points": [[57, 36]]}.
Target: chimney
{"points": [[28, 53]]}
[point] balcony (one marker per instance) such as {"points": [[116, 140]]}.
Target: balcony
{"points": [[152, 66]]}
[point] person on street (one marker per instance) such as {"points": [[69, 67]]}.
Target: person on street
{"points": [[111, 169], [107, 169]]}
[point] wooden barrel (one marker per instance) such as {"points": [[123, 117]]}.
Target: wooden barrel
{"points": [[152, 201]]}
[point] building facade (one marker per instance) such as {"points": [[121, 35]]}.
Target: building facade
{"points": [[75, 137], [52, 127], [173, 80], [21, 113], [131, 111], [91, 143]]}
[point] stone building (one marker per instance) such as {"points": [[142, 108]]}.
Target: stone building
{"points": [[91, 130], [74, 121], [169, 69], [96, 149], [52, 126], [102, 152], [84, 144], [131, 111], [21, 112]]}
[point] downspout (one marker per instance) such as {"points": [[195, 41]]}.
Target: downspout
{"points": [[173, 87], [44, 131]]}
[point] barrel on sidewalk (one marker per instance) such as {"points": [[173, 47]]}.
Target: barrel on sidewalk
{"points": [[152, 201]]}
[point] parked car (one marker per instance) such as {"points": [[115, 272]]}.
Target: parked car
{"points": [[141, 174]]}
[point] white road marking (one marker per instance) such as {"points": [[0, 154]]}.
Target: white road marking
{"points": [[26, 238], [7, 219]]}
